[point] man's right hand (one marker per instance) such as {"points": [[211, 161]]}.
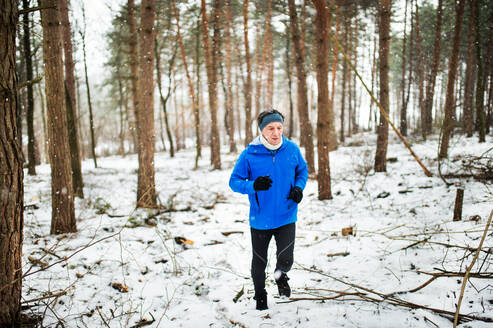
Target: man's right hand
{"points": [[262, 183]]}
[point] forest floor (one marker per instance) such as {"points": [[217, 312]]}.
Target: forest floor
{"points": [[126, 268]]}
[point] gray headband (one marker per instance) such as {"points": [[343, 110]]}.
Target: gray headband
{"points": [[274, 117]]}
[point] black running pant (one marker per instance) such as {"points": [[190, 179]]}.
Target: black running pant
{"points": [[284, 237]]}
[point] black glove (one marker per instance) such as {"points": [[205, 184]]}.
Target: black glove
{"points": [[262, 183], [296, 194]]}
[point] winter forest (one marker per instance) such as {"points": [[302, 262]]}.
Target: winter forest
{"points": [[121, 122]]}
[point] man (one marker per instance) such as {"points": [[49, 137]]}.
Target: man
{"points": [[272, 171]]}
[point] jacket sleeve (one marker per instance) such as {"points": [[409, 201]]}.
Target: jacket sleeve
{"points": [[238, 180], [301, 171]]}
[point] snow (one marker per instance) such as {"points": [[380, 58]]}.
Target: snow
{"points": [[193, 285]]}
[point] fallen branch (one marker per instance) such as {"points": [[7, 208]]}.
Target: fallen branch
{"points": [[468, 271], [63, 292], [389, 299]]}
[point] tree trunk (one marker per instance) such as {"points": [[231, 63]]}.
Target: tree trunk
{"points": [[480, 85], [198, 56], [322, 26], [211, 60], [384, 45], [31, 141], [269, 58], [403, 120], [229, 82], [448, 122], [290, 86], [163, 99], [71, 102], [134, 66], [305, 125], [189, 80], [430, 86], [11, 173], [121, 134], [62, 200], [146, 188], [248, 86], [469, 83], [333, 144], [88, 90], [420, 74], [489, 73], [344, 81]]}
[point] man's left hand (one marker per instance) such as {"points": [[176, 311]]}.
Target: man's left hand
{"points": [[296, 194]]}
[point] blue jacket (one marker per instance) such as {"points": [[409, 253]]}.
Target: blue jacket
{"points": [[286, 167]]}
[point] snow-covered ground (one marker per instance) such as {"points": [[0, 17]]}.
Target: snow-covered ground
{"points": [[401, 222]]}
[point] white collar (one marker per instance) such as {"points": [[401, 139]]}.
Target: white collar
{"points": [[268, 145]]}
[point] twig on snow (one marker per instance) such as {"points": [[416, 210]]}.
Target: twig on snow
{"points": [[468, 271]]}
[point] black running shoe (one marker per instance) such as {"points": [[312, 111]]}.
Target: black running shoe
{"points": [[261, 301], [282, 284]]}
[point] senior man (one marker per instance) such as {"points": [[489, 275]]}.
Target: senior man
{"points": [[273, 173]]}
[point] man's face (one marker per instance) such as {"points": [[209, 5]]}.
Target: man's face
{"points": [[272, 132]]}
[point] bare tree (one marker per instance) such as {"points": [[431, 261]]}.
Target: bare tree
{"points": [[306, 128], [62, 200], [134, 65], [469, 83], [421, 73], [73, 134], [383, 51], [88, 90], [448, 121], [322, 26], [248, 84], [480, 85], [230, 120], [432, 76], [31, 143], [11, 178], [146, 187], [211, 60], [189, 81]]}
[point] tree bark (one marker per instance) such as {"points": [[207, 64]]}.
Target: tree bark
{"points": [[489, 73], [11, 173], [88, 91], [73, 134], [469, 83], [191, 87], [211, 60], [306, 138], [229, 82], [134, 65], [31, 141], [384, 45], [431, 83], [344, 82], [269, 101], [248, 86], [448, 122], [322, 26], [189, 81], [290, 85], [333, 144], [480, 85], [421, 79], [163, 99], [403, 114], [146, 188], [62, 200]]}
